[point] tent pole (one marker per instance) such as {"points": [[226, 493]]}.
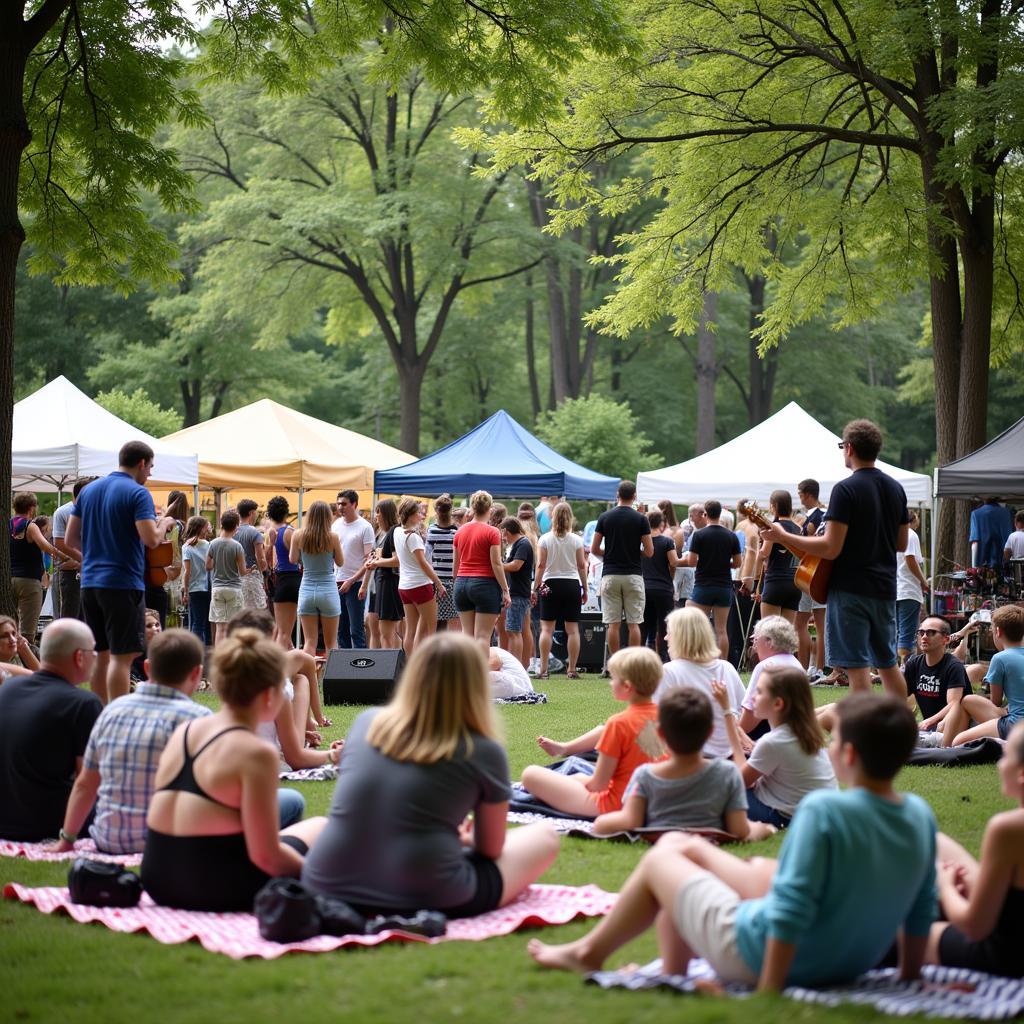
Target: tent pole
{"points": [[934, 539], [195, 499]]}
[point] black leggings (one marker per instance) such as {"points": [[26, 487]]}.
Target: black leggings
{"points": [[210, 873], [657, 605]]}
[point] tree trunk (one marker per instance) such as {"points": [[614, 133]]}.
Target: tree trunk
{"points": [[762, 369], [191, 399], [410, 385], [14, 137], [531, 354], [707, 375]]}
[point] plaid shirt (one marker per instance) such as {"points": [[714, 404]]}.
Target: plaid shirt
{"points": [[125, 747]]}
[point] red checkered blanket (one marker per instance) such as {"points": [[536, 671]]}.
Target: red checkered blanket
{"points": [[83, 848], [237, 935]]}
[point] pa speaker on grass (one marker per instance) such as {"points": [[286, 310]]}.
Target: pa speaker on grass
{"points": [[356, 676]]}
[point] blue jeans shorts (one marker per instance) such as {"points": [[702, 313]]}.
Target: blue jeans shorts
{"points": [[712, 597], [908, 618], [757, 810], [860, 632], [515, 614], [319, 599], [479, 594]]}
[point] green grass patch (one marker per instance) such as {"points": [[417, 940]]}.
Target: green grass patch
{"points": [[52, 969]]}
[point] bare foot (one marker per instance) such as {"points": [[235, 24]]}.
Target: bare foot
{"points": [[550, 747], [566, 957]]}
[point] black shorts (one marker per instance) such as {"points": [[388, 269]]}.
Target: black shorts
{"points": [[988, 955], [387, 602], [783, 593], [490, 887], [117, 619], [562, 601], [286, 587]]}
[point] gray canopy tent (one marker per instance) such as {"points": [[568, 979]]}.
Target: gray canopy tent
{"points": [[994, 470]]}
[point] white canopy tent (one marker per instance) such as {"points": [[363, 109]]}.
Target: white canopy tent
{"points": [[778, 453], [61, 434]]}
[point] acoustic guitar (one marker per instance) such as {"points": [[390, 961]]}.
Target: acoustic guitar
{"points": [[813, 572], [160, 562]]}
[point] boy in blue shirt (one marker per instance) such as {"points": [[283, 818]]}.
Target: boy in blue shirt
{"points": [[856, 868], [1005, 675]]}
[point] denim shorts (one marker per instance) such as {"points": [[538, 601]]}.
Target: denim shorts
{"points": [[479, 594], [319, 599], [516, 613], [758, 810], [807, 604], [860, 632], [712, 597], [908, 618]]}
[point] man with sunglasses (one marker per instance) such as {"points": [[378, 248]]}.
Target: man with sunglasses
{"points": [[935, 679], [865, 525]]}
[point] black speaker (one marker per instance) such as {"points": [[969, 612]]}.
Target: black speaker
{"points": [[358, 676], [592, 641]]}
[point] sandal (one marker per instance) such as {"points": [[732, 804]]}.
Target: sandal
{"points": [[572, 675], [541, 675]]}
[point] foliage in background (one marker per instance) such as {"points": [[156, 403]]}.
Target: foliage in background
{"points": [[599, 433], [138, 410]]}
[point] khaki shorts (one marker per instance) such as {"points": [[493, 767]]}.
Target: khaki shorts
{"points": [[622, 592], [705, 916], [253, 593], [224, 602]]}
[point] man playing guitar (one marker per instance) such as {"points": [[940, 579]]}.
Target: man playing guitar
{"points": [[866, 524]]}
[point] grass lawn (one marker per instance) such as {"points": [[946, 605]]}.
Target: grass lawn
{"points": [[54, 970]]}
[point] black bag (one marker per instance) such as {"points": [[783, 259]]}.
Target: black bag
{"points": [[338, 918], [99, 884], [431, 924], [286, 911]]}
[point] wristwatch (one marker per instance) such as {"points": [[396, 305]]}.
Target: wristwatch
{"points": [[66, 837]]}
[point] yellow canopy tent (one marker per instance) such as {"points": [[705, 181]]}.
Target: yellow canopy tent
{"points": [[266, 448]]}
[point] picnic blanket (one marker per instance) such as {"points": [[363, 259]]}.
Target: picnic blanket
{"points": [[986, 750], [325, 773], [83, 848], [966, 995], [237, 935], [583, 828], [533, 697]]}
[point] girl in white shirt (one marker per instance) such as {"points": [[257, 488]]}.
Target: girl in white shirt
{"points": [[791, 760], [419, 586]]}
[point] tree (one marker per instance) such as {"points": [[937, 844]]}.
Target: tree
{"points": [[352, 197], [140, 411], [84, 87], [880, 139], [598, 433]]}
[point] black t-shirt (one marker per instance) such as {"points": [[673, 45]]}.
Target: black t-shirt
{"points": [[874, 507], [714, 547], [519, 582], [813, 521], [623, 529], [656, 571], [929, 683], [44, 726], [781, 564]]}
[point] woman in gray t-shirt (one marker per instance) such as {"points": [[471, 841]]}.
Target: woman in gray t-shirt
{"points": [[397, 836]]}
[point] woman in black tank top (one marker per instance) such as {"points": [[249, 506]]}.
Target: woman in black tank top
{"points": [[984, 903], [203, 852], [779, 594]]}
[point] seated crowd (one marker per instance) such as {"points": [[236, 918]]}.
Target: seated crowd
{"points": [[418, 818]]}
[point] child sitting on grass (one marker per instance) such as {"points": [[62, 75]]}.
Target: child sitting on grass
{"points": [[856, 867], [790, 760], [984, 903], [687, 790], [1005, 675], [626, 741]]}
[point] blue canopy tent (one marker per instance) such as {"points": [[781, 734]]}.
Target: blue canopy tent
{"points": [[498, 456]]}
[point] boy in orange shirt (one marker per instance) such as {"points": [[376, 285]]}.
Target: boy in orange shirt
{"points": [[626, 741]]}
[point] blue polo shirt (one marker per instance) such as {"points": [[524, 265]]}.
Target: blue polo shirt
{"points": [[113, 555]]}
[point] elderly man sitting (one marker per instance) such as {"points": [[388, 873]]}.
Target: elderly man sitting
{"points": [[45, 721], [775, 643]]}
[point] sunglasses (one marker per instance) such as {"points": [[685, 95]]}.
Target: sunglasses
{"points": [[930, 632]]}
